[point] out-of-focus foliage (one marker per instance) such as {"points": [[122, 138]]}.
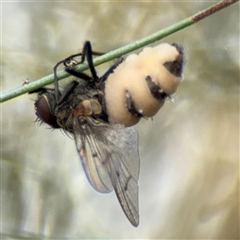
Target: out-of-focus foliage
{"points": [[189, 179]]}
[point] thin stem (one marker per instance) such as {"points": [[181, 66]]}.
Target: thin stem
{"points": [[120, 51]]}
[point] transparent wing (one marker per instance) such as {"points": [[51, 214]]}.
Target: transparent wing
{"points": [[110, 158]]}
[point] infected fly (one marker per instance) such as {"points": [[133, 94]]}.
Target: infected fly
{"points": [[100, 112], [109, 152]]}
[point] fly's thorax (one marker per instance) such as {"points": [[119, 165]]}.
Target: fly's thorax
{"points": [[139, 86], [80, 102]]}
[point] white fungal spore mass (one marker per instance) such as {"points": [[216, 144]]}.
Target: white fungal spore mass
{"points": [[139, 86]]}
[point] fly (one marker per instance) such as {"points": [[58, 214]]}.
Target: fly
{"points": [[100, 112], [108, 152]]}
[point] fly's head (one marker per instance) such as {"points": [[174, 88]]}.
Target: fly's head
{"points": [[45, 108]]}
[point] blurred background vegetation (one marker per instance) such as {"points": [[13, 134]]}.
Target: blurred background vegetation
{"points": [[189, 179]]}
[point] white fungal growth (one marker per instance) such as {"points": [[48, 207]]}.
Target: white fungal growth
{"points": [[129, 96]]}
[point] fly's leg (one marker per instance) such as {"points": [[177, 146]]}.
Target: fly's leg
{"points": [[70, 63], [88, 54], [111, 69]]}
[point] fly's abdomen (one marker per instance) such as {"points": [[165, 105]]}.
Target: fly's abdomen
{"points": [[139, 86]]}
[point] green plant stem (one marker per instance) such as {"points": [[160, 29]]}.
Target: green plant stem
{"points": [[120, 51]]}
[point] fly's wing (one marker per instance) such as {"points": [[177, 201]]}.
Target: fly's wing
{"points": [[110, 158]]}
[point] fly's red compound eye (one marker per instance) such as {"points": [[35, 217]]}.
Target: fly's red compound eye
{"points": [[44, 112]]}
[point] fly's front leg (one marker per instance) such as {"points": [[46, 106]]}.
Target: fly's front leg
{"points": [[70, 64], [87, 53]]}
